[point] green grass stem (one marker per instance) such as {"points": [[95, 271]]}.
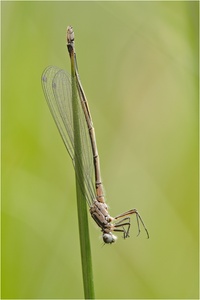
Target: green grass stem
{"points": [[81, 201]]}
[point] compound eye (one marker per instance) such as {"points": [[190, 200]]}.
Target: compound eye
{"points": [[109, 238]]}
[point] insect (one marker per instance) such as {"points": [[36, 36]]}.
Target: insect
{"points": [[57, 87]]}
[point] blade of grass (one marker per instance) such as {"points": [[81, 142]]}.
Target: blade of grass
{"points": [[81, 201]]}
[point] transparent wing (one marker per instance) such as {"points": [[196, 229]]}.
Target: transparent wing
{"points": [[56, 85]]}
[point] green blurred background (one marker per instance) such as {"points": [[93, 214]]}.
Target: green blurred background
{"points": [[138, 63]]}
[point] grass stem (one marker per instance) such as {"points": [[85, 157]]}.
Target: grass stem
{"points": [[81, 201]]}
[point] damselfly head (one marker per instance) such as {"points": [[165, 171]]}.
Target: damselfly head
{"points": [[109, 238]]}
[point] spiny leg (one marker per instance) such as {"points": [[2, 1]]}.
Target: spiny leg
{"points": [[138, 217], [122, 223]]}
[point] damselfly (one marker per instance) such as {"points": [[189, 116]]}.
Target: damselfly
{"points": [[57, 88]]}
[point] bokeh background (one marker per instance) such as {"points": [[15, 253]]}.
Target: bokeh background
{"points": [[138, 63]]}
